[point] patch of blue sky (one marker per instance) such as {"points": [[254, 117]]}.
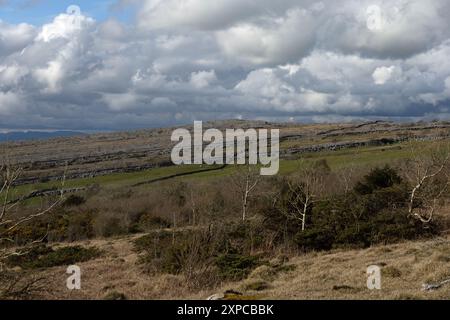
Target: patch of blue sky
{"points": [[38, 12]]}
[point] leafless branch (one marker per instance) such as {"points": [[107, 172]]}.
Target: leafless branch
{"points": [[10, 220]]}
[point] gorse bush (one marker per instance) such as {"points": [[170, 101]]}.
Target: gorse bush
{"points": [[74, 200], [378, 178], [374, 212], [60, 226], [235, 266], [45, 257]]}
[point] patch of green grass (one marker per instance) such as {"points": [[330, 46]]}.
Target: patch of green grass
{"points": [[112, 180], [345, 158], [363, 156]]}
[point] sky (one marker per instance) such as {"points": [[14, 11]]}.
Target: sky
{"points": [[127, 64]]}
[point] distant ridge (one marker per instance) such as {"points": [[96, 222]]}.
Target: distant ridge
{"points": [[36, 135]]}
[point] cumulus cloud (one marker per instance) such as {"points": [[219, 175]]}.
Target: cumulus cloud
{"points": [[381, 75], [63, 26], [182, 60], [281, 40], [203, 79], [208, 15], [14, 38]]}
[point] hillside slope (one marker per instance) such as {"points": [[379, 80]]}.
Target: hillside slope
{"points": [[339, 274]]}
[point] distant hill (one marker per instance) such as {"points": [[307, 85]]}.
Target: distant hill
{"points": [[36, 135]]}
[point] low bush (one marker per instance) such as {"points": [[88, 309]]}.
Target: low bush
{"points": [[45, 257], [378, 178], [212, 254], [108, 226], [235, 266], [374, 212], [74, 200], [62, 225], [149, 222]]}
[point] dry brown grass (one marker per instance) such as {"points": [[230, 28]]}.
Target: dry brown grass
{"points": [[340, 274]]}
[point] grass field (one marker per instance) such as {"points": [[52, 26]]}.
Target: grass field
{"points": [[364, 156]]}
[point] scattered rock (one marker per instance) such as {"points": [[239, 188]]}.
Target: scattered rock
{"points": [[233, 292], [434, 286], [217, 296]]}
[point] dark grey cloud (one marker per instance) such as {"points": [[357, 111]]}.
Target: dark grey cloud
{"points": [[182, 60]]}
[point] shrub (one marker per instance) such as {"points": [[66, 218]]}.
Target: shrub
{"points": [[80, 226], [74, 200], [378, 178], [375, 212], [203, 256], [149, 222], [175, 253], [108, 226], [45, 257], [234, 266], [59, 226]]}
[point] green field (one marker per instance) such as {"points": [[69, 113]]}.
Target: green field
{"points": [[365, 156]]}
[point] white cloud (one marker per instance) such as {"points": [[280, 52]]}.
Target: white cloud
{"points": [[120, 101], [381, 75], [276, 41], [50, 75], [201, 59], [15, 37], [63, 26], [10, 75], [206, 14], [203, 79]]}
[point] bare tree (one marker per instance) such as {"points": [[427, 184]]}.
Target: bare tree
{"points": [[428, 173], [193, 207], [11, 218], [245, 181], [346, 177], [305, 188]]}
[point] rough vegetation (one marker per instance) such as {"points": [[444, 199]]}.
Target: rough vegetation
{"points": [[309, 232]]}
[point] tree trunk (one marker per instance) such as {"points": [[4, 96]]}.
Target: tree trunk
{"points": [[244, 207], [305, 208]]}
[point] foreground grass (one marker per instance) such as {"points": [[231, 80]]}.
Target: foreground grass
{"points": [[339, 274]]}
